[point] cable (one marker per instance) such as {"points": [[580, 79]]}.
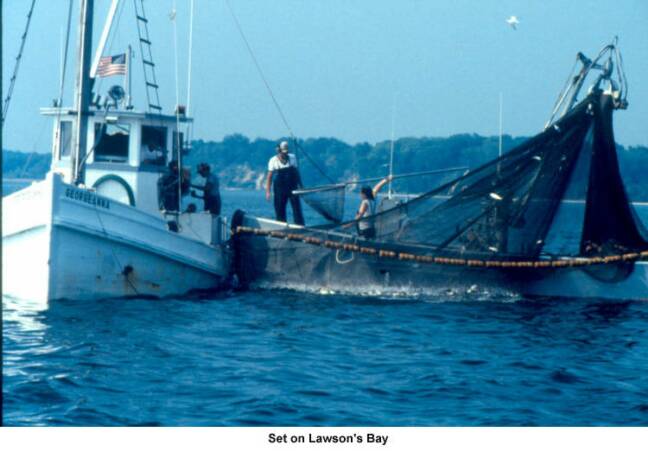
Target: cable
{"points": [[258, 66], [114, 254], [12, 83], [321, 171], [269, 89], [562, 94], [62, 85]]}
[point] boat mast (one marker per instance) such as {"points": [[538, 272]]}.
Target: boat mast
{"points": [[83, 89]]}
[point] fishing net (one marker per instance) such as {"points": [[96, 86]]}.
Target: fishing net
{"points": [[611, 223], [328, 201], [564, 182], [506, 207], [512, 208]]}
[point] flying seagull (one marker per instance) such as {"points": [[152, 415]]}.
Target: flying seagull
{"points": [[513, 22]]}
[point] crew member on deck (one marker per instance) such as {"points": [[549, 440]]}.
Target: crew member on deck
{"points": [[367, 209], [211, 192], [168, 194], [284, 177]]}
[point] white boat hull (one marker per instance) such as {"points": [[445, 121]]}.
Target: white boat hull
{"points": [[60, 241], [600, 281]]}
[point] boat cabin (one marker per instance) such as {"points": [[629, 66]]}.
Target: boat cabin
{"points": [[127, 152]]}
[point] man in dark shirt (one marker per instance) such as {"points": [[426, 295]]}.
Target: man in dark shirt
{"points": [[211, 191], [168, 194]]}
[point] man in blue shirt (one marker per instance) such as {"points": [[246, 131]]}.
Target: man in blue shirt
{"points": [[211, 190]]}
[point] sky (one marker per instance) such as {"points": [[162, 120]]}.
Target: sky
{"points": [[341, 68]]}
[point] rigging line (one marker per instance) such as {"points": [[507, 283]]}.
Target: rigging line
{"points": [[39, 135], [562, 94], [190, 51], [621, 73], [177, 110], [375, 179], [97, 139], [62, 85], [258, 67], [390, 191], [12, 83], [114, 254], [269, 89], [320, 170]]}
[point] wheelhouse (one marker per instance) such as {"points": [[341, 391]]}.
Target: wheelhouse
{"points": [[127, 151]]}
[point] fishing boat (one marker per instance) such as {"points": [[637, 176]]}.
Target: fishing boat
{"points": [[548, 218], [97, 226]]}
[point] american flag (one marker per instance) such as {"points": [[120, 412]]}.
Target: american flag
{"points": [[112, 65]]}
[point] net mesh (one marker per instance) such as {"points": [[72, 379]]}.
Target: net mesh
{"points": [[611, 224], [328, 201], [506, 207]]}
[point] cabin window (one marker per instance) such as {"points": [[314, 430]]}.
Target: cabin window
{"points": [[65, 139], [154, 145], [111, 142]]}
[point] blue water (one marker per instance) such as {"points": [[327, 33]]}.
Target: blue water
{"points": [[290, 358]]}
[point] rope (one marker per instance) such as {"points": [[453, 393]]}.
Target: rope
{"points": [[12, 83], [429, 259], [563, 94], [319, 169], [375, 179], [339, 261], [269, 89], [258, 67], [114, 254]]}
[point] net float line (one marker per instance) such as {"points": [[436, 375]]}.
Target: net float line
{"points": [[449, 261]]}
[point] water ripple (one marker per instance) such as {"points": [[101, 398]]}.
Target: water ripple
{"points": [[291, 358]]}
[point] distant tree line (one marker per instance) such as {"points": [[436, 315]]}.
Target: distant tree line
{"points": [[21, 165], [241, 162]]}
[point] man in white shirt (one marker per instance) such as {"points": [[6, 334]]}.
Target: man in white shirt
{"points": [[284, 177]]}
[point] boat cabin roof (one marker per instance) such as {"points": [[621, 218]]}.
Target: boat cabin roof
{"points": [[117, 115]]}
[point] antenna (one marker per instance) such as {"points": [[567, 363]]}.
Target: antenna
{"points": [[391, 149], [189, 129], [60, 60], [501, 101]]}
